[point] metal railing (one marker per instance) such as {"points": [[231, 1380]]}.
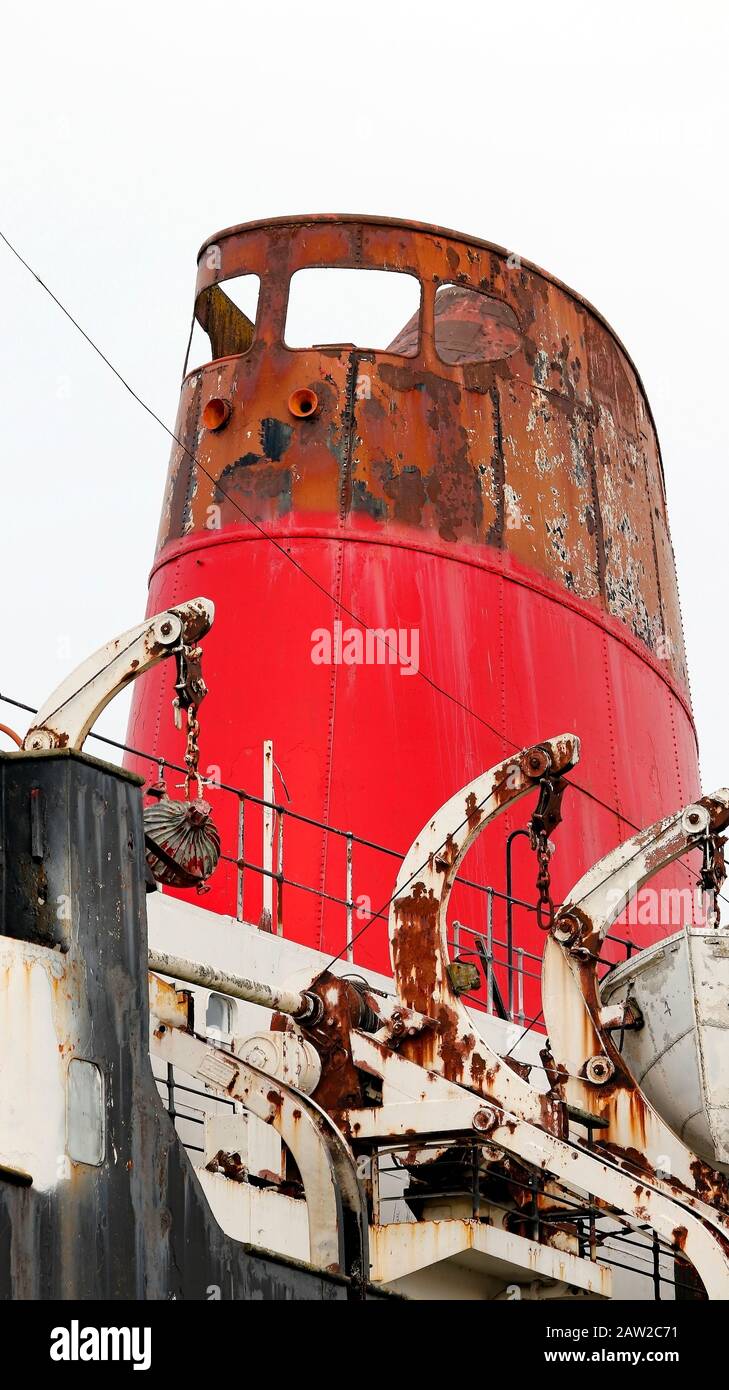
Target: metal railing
{"points": [[185, 1114], [508, 970], [398, 1188], [275, 815]]}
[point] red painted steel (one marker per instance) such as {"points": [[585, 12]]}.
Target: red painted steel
{"points": [[533, 646]]}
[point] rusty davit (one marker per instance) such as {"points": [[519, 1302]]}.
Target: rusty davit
{"points": [[266, 1047]]}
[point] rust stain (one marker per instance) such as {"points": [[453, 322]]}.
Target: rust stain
{"points": [[520, 425], [679, 1237]]}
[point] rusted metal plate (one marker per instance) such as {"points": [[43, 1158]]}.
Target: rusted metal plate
{"points": [[555, 434], [134, 1225], [497, 1257], [679, 1056], [507, 514], [597, 1078]]}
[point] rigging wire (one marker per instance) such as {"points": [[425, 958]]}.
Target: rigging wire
{"points": [[441, 690], [375, 916], [503, 738], [234, 502]]}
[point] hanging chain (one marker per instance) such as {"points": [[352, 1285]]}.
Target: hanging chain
{"points": [[192, 751], [713, 874], [190, 691], [545, 904], [547, 814], [182, 842]]}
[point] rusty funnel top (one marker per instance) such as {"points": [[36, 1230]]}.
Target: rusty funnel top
{"points": [[483, 485], [506, 413]]}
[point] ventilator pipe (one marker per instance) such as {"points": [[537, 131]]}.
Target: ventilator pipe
{"points": [[304, 1007]]}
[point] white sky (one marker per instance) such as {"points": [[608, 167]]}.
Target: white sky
{"points": [[589, 139]]}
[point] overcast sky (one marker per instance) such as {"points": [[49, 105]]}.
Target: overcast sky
{"points": [[590, 139]]}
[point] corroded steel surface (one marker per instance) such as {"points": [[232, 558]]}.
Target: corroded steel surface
{"points": [[135, 1225], [597, 1078], [510, 512], [419, 934], [556, 434]]}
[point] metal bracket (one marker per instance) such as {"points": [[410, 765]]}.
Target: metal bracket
{"points": [[338, 1226], [426, 1104], [68, 715], [596, 1076], [418, 932]]}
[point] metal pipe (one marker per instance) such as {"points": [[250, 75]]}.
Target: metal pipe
{"points": [[510, 921], [280, 880], [241, 851], [171, 1092], [267, 858], [375, 1181], [656, 1268], [520, 984], [302, 1005], [348, 892]]}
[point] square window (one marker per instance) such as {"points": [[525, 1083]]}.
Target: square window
{"points": [[376, 310]]}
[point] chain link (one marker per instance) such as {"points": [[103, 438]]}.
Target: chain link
{"points": [[545, 905], [547, 814], [713, 874], [190, 690], [192, 751]]}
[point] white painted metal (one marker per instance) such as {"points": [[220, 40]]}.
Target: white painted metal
{"points": [[287, 1056], [571, 999], [350, 904], [258, 1215], [322, 1156], [68, 714], [35, 1024], [680, 1057], [418, 1102], [168, 1004], [429, 869], [186, 930], [256, 1144], [238, 986], [487, 1258]]}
